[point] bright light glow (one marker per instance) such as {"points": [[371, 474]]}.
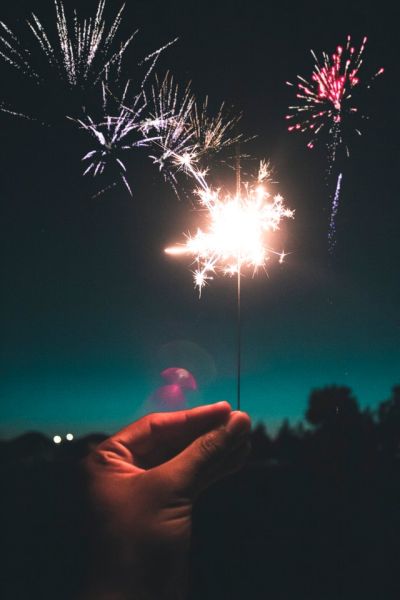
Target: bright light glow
{"points": [[238, 231], [57, 439], [69, 437], [176, 250]]}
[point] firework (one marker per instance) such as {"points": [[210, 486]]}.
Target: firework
{"points": [[187, 135], [70, 64], [113, 138], [167, 120], [237, 233], [81, 55], [325, 102], [80, 62], [114, 135], [163, 122], [327, 98]]}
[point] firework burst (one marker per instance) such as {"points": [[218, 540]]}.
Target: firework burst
{"points": [[83, 52], [80, 61], [114, 137], [166, 121], [324, 103], [327, 98], [187, 135]]}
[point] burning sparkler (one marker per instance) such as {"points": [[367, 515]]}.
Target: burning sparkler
{"points": [[326, 100], [237, 237]]}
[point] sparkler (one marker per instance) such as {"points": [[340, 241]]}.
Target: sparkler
{"points": [[236, 237], [325, 102]]}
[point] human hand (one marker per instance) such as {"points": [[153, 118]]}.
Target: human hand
{"points": [[142, 484]]}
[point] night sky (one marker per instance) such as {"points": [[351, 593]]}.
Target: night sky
{"points": [[93, 310]]}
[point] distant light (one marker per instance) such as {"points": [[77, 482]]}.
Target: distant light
{"points": [[57, 439], [69, 437]]}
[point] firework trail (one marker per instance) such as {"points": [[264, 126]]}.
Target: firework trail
{"points": [[325, 102], [332, 223], [237, 233]]}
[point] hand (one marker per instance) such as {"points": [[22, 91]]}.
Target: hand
{"points": [[142, 484]]}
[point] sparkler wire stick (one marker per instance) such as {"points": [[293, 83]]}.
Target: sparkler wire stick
{"points": [[235, 237], [239, 266], [239, 332]]}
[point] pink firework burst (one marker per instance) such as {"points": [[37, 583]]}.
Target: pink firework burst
{"points": [[327, 97]]}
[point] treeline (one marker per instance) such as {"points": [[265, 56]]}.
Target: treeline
{"points": [[336, 431]]}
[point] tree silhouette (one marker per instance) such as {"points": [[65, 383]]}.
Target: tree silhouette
{"points": [[261, 444], [389, 425], [288, 443], [331, 406]]}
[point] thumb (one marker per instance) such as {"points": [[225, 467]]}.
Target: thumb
{"points": [[195, 467]]}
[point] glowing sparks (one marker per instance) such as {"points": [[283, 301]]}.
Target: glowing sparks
{"points": [[327, 97], [238, 231], [332, 223]]}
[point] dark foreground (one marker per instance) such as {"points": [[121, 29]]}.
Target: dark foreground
{"points": [[314, 515]]}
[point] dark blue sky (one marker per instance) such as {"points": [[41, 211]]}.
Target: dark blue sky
{"points": [[92, 310]]}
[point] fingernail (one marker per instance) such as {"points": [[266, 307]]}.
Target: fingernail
{"points": [[237, 425]]}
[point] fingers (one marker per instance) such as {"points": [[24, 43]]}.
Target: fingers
{"points": [[161, 435], [210, 456]]}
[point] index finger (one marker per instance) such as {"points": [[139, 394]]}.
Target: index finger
{"points": [[178, 428]]}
